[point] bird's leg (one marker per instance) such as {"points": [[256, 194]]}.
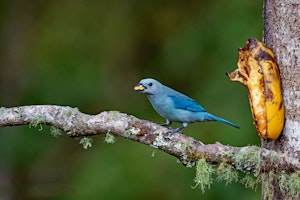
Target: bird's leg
{"points": [[168, 123], [179, 128]]}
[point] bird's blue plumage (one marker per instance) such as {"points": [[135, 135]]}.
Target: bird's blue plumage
{"points": [[175, 106], [187, 104]]}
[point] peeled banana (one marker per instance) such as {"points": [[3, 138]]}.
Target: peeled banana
{"points": [[258, 70]]}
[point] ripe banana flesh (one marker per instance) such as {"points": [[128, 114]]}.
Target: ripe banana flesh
{"points": [[258, 70]]}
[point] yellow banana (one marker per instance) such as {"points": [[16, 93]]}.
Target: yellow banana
{"points": [[258, 70]]}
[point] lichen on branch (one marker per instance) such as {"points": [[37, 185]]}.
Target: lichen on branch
{"points": [[187, 150]]}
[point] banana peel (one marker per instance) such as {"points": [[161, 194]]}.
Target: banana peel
{"points": [[258, 71]]}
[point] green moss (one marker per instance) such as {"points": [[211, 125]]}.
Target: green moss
{"points": [[294, 183], [132, 131], [133, 119], [186, 145], [183, 147], [153, 153], [68, 112], [227, 173], [160, 141], [56, 131], [21, 113], [290, 183], [127, 132], [2, 110], [267, 179], [249, 160], [250, 181], [86, 142], [113, 114], [225, 154], [39, 120], [109, 138], [204, 175]]}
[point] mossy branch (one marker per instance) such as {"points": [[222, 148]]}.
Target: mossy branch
{"points": [[74, 123]]}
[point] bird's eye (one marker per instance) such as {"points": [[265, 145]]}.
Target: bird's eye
{"points": [[150, 84]]}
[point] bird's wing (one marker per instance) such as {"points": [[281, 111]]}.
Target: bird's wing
{"points": [[186, 103]]}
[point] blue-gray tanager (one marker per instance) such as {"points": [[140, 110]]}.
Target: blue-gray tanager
{"points": [[175, 106]]}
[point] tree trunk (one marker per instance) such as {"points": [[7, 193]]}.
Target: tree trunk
{"points": [[282, 35]]}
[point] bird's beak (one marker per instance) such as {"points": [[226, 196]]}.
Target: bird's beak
{"points": [[139, 87]]}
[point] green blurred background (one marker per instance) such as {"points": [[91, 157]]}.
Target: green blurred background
{"points": [[89, 54]]}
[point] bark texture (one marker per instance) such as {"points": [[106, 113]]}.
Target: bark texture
{"points": [[282, 35], [185, 148]]}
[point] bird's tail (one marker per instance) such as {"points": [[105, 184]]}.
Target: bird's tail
{"points": [[218, 119]]}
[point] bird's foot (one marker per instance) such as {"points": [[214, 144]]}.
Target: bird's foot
{"points": [[168, 123], [165, 124], [174, 130], [179, 128]]}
